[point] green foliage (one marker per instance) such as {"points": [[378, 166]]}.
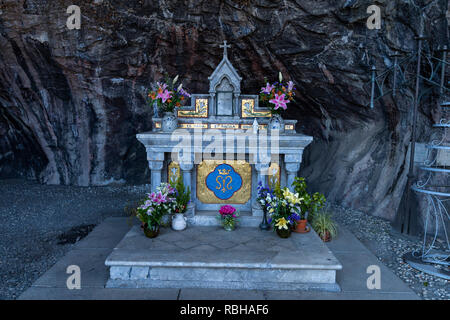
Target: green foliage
{"points": [[277, 191], [311, 203], [322, 223], [183, 196]]}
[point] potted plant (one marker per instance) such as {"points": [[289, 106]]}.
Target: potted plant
{"points": [[324, 226], [182, 199], [228, 217], [167, 99], [309, 205], [154, 207], [276, 96]]}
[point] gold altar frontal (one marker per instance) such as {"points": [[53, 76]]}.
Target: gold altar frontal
{"points": [[224, 182]]}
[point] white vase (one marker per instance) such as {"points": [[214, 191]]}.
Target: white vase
{"points": [[169, 122], [179, 222], [276, 122]]}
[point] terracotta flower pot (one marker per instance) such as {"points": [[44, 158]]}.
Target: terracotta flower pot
{"points": [[326, 236], [284, 233], [300, 225]]}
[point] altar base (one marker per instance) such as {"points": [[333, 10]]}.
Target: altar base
{"points": [[210, 257]]}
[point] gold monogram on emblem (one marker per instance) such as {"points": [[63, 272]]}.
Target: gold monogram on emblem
{"points": [[224, 184]]}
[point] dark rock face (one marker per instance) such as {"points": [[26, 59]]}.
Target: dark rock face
{"points": [[71, 101]]}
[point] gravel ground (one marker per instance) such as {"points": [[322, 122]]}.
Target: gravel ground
{"points": [[39, 225], [376, 234]]}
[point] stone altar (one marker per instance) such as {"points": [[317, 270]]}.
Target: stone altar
{"points": [[216, 130], [219, 156], [222, 160]]}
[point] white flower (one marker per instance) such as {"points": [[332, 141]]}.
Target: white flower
{"points": [[175, 79], [280, 76]]}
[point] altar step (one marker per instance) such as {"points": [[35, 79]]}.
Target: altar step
{"points": [[210, 257], [209, 218]]}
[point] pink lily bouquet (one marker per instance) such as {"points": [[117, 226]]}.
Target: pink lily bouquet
{"points": [[228, 216], [168, 98], [156, 205], [276, 96]]}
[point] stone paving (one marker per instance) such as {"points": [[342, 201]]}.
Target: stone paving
{"points": [[91, 252]]}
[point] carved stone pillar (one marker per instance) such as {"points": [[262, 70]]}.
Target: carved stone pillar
{"points": [[292, 163], [155, 167], [186, 171], [155, 163], [261, 175]]}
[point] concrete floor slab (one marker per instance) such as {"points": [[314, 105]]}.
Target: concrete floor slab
{"points": [[314, 295], [40, 293], [107, 234], [346, 242], [220, 294], [90, 253], [353, 277], [91, 263]]}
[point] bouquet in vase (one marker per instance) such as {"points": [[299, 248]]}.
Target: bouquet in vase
{"points": [[154, 207], [277, 95], [167, 97], [228, 216]]}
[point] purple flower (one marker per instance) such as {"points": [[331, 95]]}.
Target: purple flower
{"points": [[184, 93], [267, 89], [290, 86]]}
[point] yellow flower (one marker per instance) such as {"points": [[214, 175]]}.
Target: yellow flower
{"points": [[282, 224], [291, 197]]}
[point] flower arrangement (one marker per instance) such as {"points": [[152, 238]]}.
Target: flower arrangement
{"points": [[168, 98], [266, 198], [228, 216], [276, 96], [156, 205], [287, 209], [311, 204], [282, 205]]}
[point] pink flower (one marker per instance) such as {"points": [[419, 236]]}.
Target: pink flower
{"points": [[227, 210], [164, 95], [279, 102], [267, 89]]}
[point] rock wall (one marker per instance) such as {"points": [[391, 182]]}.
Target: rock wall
{"points": [[71, 101]]}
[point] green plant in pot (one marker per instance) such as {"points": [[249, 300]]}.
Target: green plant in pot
{"points": [[183, 195], [310, 204], [324, 226]]}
